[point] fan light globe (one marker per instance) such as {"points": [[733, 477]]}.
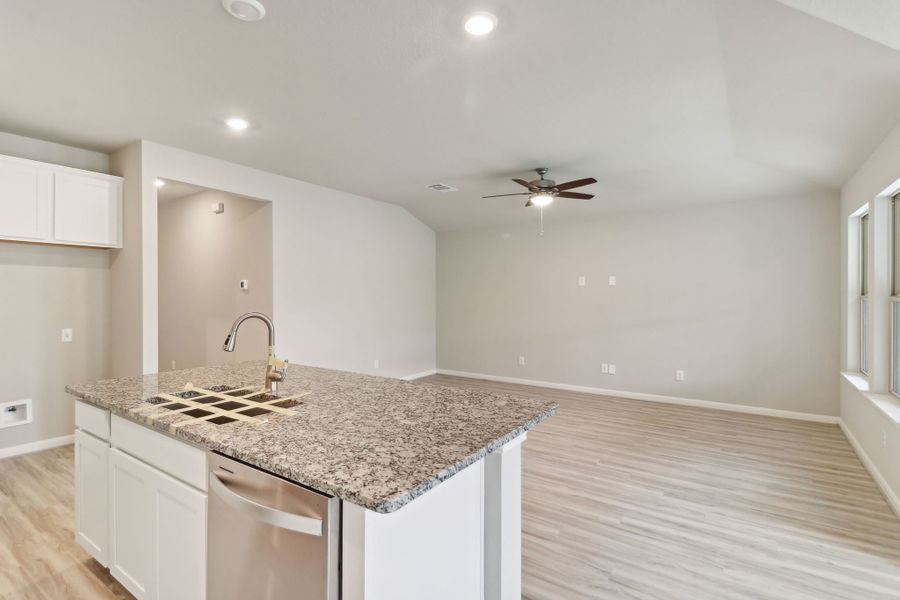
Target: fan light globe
{"points": [[541, 199], [481, 23]]}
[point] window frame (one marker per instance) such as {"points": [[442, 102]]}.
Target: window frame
{"points": [[864, 261], [895, 295]]}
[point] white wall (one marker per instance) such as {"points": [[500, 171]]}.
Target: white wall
{"points": [[202, 258], [870, 414], [354, 279], [46, 288], [742, 296]]}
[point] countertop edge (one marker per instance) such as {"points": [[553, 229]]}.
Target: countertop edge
{"points": [[379, 506]]}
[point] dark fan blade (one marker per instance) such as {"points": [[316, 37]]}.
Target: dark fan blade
{"points": [[523, 183], [501, 195], [577, 183], [578, 195]]}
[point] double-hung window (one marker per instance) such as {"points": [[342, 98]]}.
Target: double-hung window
{"points": [[895, 295], [863, 294]]}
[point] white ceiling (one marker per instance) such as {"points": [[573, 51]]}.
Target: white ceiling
{"points": [[666, 102], [176, 190]]}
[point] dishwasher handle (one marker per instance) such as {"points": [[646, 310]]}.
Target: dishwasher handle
{"points": [[267, 514]]}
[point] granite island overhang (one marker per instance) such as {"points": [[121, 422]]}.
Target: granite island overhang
{"points": [[377, 444]]}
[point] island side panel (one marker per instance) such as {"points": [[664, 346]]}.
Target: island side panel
{"points": [[503, 522], [431, 548]]}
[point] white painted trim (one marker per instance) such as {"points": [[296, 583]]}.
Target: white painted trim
{"points": [[415, 376], [741, 408], [889, 494], [37, 446]]}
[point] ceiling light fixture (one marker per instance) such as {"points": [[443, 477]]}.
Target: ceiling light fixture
{"points": [[542, 199], [237, 123], [481, 23], [244, 10], [160, 182]]}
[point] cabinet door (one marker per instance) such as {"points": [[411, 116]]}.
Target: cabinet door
{"points": [[181, 523], [86, 210], [92, 495], [132, 550], [24, 200]]}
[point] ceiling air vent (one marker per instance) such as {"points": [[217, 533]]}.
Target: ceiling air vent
{"points": [[440, 187]]}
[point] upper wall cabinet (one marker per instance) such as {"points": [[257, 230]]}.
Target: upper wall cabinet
{"points": [[47, 203]]}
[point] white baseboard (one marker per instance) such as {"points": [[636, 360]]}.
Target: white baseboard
{"points": [[889, 494], [415, 376], [741, 408], [37, 446]]}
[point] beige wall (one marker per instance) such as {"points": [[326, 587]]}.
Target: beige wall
{"points": [[44, 289], [741, 296], [354, 278], [870, 413], [202, 258]]}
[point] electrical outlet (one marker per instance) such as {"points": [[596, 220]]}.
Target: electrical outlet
{"points": [[173, 364], [604, 368], [612, 280], [521, 361], [66, 335], [377, 364], [679, 375], [612, 369], [582, 281]]}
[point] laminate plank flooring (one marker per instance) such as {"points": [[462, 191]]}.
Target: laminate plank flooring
{"points": [[39, 558], [625, 499]]}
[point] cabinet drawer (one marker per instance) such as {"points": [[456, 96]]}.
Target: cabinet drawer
{"points": [[173, 457], [92, 419]]}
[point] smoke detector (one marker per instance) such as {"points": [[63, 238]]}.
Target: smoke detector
{"points": [[440, 187], [244, 10]]}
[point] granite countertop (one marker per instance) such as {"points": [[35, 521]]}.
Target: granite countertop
{"points": [[373, 441]]}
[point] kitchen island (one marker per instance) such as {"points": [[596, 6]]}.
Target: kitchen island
{"points": [[375, 444]]}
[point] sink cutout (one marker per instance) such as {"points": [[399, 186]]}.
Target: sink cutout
{"points": [[222, 404]]}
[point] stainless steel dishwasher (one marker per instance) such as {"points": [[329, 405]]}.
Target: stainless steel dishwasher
{"points": [[269, 538]]}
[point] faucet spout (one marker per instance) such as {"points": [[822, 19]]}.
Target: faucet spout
{"points": [[275, 368], [230, 340]]}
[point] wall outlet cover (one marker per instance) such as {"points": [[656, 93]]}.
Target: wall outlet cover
{"points": [[612, 280], [604, 368], [522, 361], [66, 335], [612, 369], [582, 281]]}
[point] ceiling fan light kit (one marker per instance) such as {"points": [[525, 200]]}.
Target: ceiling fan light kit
{"points": [[541, 192]]}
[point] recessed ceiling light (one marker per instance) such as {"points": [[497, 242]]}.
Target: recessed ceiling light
{"points": [[481, 23], [160, 183], [541, 199], [244, 10], [237, 123]]}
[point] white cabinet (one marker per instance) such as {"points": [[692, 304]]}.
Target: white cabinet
{"points": [[86, 209], [157, 532], [40, 202], [25, 194], [92, 494]]}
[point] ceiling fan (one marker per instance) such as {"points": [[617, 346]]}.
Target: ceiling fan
{"points": [[541, 192]]}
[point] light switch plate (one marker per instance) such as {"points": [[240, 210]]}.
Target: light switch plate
{"points": [[604, 368], [582, 281]]}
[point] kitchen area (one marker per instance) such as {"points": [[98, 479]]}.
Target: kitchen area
{"points": [[224, 470]]}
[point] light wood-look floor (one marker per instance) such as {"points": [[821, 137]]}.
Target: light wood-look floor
{"points": [[630, 499], [39, 558], [622, 499]]}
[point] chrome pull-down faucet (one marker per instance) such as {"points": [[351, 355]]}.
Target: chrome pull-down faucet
{"points": [[275, 368]]}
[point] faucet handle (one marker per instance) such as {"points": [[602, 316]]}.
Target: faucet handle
{"points": [[277, 363]]}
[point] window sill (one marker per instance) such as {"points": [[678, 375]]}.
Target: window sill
{"points": [[888, 404]]}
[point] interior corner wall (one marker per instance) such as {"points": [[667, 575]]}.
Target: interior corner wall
{"points": [[354, 278], [203, 256], [740, 296], [47, 288], [872, 418], [127, 267]]}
